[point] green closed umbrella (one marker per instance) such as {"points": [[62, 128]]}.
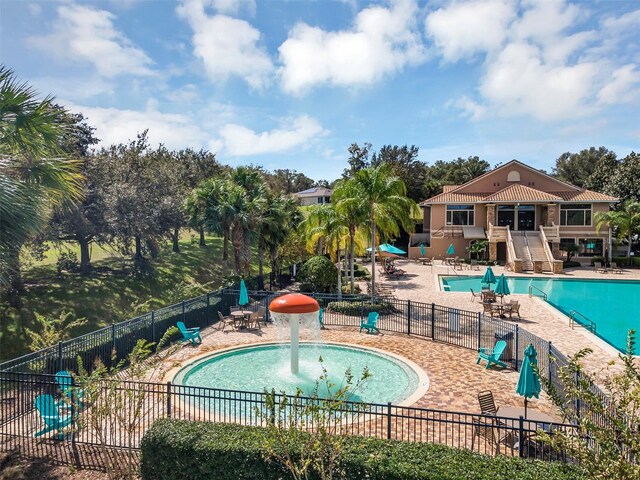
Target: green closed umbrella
{"points": [[423, 252], [450, 250], [502, 288], [244, 295], [528, 382], [489, 277]]}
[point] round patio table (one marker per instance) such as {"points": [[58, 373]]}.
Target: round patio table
{"points": [[532, 415], [241, 316]]}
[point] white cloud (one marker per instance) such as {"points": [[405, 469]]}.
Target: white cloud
{"points": [[623, 87], [227, 46], [115, 126], [381, 42], [88, 34], [629, 20], [470, 107], [464, 29], [233, 7], [241, 141], [35, 9]]}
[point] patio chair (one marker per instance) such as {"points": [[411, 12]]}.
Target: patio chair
{"points": [[598, 267], [615, 268], [487, 403], [67, 390], [426, 261], [262, 313], [475, 295], [189, 334], [474, 265], [223, 321], [370, 324], [254, 321], [46, 406], [487, 429], [493, 356], [515, 308], [488, 296], [487, 310]]}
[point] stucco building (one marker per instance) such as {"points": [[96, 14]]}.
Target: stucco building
{"points": [[314, 196]]}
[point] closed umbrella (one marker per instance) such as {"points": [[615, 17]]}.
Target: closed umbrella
{"points": [[489, 277], [450, 250], [244, 295], [423, 252], [529, 382], [502, 288]]}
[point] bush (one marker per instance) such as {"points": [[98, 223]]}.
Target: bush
{"points": [[181, 450], [571, 264], [361, 272], [347, 288], [359, 308], [67, 261], [318, 274], [597, 259]]}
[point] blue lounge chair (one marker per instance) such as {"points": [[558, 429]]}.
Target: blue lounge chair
{"points": [[68, 391], [189, 334], [494, 356], [370, 324], [321, 318], [46, 406]]}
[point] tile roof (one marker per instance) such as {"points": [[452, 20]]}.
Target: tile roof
{"points": [[314, 191], [455, 197], [448, 188], [586, 196], [522, 193]]}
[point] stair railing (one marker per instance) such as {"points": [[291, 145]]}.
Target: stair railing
{"points": [[576, 317], [542, 294], [545, 245]]}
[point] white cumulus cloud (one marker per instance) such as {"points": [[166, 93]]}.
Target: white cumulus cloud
{"points": [[381, 42], [239, 140], [624, 86], [86, 34], [227, 46]]}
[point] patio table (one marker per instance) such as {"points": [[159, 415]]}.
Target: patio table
{"points": [[501, 308], [241, 317], [543, 422]]}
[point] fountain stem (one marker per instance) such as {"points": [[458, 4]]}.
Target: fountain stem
{"points": [[294, 324]]}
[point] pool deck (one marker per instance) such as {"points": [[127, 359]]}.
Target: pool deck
{"points": [[422, 284]]}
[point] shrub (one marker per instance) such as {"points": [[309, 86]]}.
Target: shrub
{"points": [[181, 450], [361, 272], [318, 274], [347, 288], [597, 259], [571, 264], [359, 308], [67, 261]]}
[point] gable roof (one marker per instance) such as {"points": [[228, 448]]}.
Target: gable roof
{"points": [[314, 192], [522, 193]]}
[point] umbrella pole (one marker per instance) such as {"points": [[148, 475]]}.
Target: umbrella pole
{"points": [[525, 407]]}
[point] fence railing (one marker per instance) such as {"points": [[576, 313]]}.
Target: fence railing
{"points": [[23, 378]]}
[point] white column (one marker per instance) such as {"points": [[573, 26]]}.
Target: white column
{"points": [[294, 323]]}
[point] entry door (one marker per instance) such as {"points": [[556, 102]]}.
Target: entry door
{"points": [[506, 216], [526, 217]]}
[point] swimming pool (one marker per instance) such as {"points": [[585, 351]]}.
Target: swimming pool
{"points": [[614, 305]]}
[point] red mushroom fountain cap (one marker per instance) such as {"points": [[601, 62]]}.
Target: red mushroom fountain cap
{"points": [[294, 303]]}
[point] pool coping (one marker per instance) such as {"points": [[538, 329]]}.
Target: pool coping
{"points": [[423, 378]]}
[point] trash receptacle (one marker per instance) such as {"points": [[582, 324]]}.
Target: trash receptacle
{"points": [[507, 355]]}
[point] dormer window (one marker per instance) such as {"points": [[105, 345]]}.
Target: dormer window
{"points": [[513, 176]]}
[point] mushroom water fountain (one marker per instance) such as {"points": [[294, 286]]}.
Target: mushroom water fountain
{"points": [[294, 309]]}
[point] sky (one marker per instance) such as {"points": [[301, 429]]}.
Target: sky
{"points": [[291, 84]]}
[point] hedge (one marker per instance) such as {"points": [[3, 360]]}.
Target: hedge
{"points": [[357, 309], [185, 450]]}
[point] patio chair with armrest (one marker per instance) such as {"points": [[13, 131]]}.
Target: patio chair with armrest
{"points": [[475, 295], [487, 429], [515, 308], [223, 321], [488, 296], [598, 267], [493, 357], [615, 268], [487, 310], [474, 265], [254, 321], [487, 403], [48, 410], [68, 391], [370, 324], [189, 334]]}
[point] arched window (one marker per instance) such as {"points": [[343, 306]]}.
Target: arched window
{"points": [[514, 176]]}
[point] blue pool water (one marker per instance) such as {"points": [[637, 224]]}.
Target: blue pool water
{"points": [[614, 305], [256, 368]]}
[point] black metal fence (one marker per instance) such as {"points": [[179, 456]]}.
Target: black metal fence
{"points": [[22, 379]]}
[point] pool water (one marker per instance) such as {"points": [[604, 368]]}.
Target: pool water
{"points": [[256, 368], [614, 305]]}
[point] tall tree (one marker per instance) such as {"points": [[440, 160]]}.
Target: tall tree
{"points": [[601, 178], [455, 172], [624, 183], [576, 168], [35, 175], [404, 163], [287, 181], [625, 222], [383, 196], [358, 159]]}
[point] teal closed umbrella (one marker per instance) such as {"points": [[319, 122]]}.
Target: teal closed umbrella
{"points": [[244, 295], [502, 288], [529, 382], [423, 252], [489, 277], [450, 250]]}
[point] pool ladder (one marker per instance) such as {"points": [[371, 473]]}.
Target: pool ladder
{"points": [[576, 317], [542, 294]]}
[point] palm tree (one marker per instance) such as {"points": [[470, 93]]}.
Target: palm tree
{"points": [[382, 196], [625, 221], [195, 207], [35, 176], [354, 214], [325, 222]]}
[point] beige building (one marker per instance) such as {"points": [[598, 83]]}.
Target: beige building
{"points": [[524, 214], [314, 196]]}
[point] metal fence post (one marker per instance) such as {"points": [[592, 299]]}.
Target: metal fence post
{"points": [[389, 420], [168, 399], [153, 326], [479, 330], [577, 377], [113, 345], [59, 356], [517, 346], [184, 315], [433, 321], [549, 358], [521, 436], [208, 308], [408, 317]]}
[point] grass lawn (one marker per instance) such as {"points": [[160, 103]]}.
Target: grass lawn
{"points": [[112, 292]]}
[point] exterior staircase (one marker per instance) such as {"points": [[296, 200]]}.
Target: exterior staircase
{"points": [[529, 248]]}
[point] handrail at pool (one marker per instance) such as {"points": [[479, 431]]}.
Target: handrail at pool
{"points": [[590, 324], [532, 288]]}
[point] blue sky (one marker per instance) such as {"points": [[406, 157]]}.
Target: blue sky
{"points": [[291, 84]]}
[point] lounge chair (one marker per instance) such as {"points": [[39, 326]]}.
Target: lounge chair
{"points": [[370, 324], [321, 318], [68, 391], [515, 308], [474, 265], [597, 267], [493, 356], [615, 268], [48, 410], [487, 403], [189, 334], [475, 295]]}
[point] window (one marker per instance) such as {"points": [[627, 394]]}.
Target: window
{"points": [[577, 214], [460, 215], [566, 241], [591, 247]]}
